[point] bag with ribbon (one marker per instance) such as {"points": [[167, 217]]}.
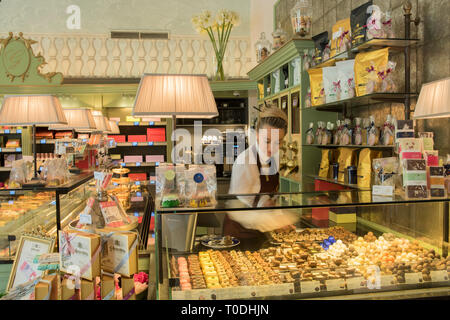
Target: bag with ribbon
{"points": [[367, 65], [341, 38], [387, 81], [326, 53], [357, 134], [358, 20], [306, 59], [310, 134], [373, 133], [316, 84], [374, 23], [331, 85], [319, 132], [337, 132], [327, 135], [346, 77], [388, 131], [201, 185], [346, 134], [387, 25]]}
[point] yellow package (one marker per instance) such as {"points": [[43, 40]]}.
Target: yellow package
{"points": [[367, 66], [316, 84], [341, 40], [324, 163], [261, 91], [347, 158], [365, 166]]}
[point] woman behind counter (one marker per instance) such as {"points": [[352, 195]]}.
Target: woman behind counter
{"points": [[256, 171]]}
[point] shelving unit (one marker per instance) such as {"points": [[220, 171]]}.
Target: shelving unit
{"points": [[5, 135]]}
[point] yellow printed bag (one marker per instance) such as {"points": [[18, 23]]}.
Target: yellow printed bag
{"points": [[317, 90], [367, 66]]}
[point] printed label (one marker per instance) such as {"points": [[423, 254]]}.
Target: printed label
{"points": [[439, 276], [356, 283], [309, 286], [413, 278], [335, 284]]}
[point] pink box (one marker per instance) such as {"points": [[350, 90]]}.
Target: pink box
{"points": [[137, 176], [411, 155], [154, 158], [132, 158], [137, 138], [156, 134]]}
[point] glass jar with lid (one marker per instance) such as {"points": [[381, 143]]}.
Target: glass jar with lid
{"points": [[301, 17], [279, 37], [263, 48]]}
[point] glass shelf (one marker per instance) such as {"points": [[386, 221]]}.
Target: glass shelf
{"points": [[296, 200], [365, 100], [352, 186], [347, 146], [377, 43]]}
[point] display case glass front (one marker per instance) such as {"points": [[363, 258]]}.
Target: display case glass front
{"points": [[341, 243]]}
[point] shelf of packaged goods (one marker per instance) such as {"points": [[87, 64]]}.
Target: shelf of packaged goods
{"points": [[366, 100], [140, 144], [139, 164], [10, 150], [347, 146], [142, 123], [45, 141], [10, 131], [5, 169], [394, 44], [351, 186]]}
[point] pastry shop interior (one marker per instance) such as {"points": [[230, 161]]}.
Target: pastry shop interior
{"points": [[243, 149]]}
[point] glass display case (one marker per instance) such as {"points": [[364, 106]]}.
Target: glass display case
{"points": [[340, 244], [39, 210]]}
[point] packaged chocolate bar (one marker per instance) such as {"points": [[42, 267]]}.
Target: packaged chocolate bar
{"points": [[417, 178], [437, 192], [404, 129], [416, 192], [437, 171], [414, 165], [358, 21], [386, 171]]}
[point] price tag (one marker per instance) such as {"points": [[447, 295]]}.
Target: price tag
{"points": [[413, 278], [138, 164], [43, 141], [6, 130], [136, 123], [157, 164], [10, 202], [98, 175], [382, 190], [134, 144], [152, 182], [283, 289], [151, 123], [138, 194], [19, 131], [85, 218], [12, 192], [387, 280], [123, 164], [138, 183], [335, 284], [309, 286], [19, 149], [356, 283], [439, 276], [115, 184], [150, 143]]}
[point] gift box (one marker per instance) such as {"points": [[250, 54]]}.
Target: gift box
{"points": [[80, 249], [416, 192], [154, 158], [137, 138], [87, 290], [118, 138], [415, 165], [410, 155], [120, 254], [108, 288], [128, 291], [132, 158], [42, 288], [404, 129], [156, 134], [137, 176], [68, 291], [432, 158]]}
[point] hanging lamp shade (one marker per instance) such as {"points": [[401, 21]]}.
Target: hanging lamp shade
{"points": [[183, 96], [434, 100], [114, 127], [108, 125], [77, 119], [26, 110], [100, 123]]}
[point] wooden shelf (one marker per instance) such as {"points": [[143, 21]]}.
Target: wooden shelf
{"points": [[351, 186], [11, 150], [140, 144], [10, 131]]}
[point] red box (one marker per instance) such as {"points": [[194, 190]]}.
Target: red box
{"points": [[137, 176], [118, 139], [320, 185], [137, 138], [156, 134]]}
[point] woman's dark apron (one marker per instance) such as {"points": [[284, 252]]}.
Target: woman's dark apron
{"points": [[249, 237]]}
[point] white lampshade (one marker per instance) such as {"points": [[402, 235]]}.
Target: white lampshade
{"points": [[183, 96], [26, 110], [434, 100], [108, 125], [100, 123], [77, 119], [114, 127]]}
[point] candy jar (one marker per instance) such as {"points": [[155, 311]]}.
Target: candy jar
{"points": [[279, 37], [301, 17], [263, 48], [310, 134]]}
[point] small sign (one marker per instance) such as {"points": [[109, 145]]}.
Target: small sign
{"points": [[150, 143], [387, 280], [136, 123], [85, 218], [335, 284], [19, 149], [151, 123], [413, 278], [383, 190], [19, 131], [356, 283], [439, 276], [43, 141], [6, 130], [138, 164], [134, 144], [309, 286]]}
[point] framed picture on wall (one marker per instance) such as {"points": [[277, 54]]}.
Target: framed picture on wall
{"points": [[24, 269], [295, 113]]}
